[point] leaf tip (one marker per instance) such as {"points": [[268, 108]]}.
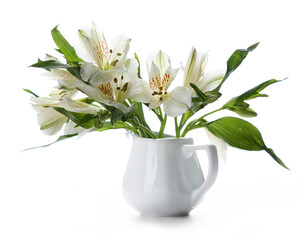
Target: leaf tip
{"points": [[276, 158], [252, 47], [55, 28]]}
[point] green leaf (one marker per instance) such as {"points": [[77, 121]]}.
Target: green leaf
{"points": [[189, 113], [58, 50], [235, 60], [199, 93], [117, 114], [255, 92], [240, 134], [117, 125], [212, 96], [276, 158], [138, 110], [73, 116], [128, 114], [200, 100], [246, 113], [75, 71], [238, 104], [76, 117], [30, 92], [61, 138], [50, 64], [64, 46], [139, 67], [86, 121]]}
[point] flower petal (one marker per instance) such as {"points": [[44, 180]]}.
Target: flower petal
{"points": [[168, 77], [131, 73], [93, 75], [154, 77], [195, 66], [95, 92], [154, 102], [210, 80], [65, 79], [119, 50], [77, 106], [41, 101], [99, 95], [50, 121], [178, 101], [71, 129], [96, 45], [219, 143], [139, 91], [163, 62]]}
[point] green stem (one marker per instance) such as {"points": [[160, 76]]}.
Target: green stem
{"points": [[156, 111], [135, 122], [191, 125], [162, 127], [177, 128], [149, 132], [185, 132], [186, 116], [217, 110], [134, 126]]}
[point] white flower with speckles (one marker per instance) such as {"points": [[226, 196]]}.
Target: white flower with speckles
{"points": [[106, 61], [119, 87], [161, 75]]}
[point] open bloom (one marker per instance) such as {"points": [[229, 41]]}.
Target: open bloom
{"points": [[119, 87], [50, 120], [194, 72], [106, 59], [161, 75]]}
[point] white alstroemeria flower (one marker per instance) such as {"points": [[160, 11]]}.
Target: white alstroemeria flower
{"points": [[121, 86], [194, 73], [106, 59], [50, 120], [161, 75]]}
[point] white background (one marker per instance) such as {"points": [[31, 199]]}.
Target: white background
{"points": [[72, 190]]}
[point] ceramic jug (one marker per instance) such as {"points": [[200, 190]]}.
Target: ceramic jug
{"points": [[164, 178]]}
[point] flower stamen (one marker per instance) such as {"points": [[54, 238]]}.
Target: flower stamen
{"points": [[124, 88]]}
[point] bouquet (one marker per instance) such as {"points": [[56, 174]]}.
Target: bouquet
{"points": [[108, 91]]}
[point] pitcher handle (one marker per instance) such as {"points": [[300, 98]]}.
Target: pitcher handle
{"points": [[188, 150]]}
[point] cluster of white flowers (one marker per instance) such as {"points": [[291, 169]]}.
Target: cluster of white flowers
{"points": [[115, 93], [110, 77]]}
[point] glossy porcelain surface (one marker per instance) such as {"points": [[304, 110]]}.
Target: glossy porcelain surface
{"points": [[164, 177]]}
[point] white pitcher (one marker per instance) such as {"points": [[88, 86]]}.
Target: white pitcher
{"points": [[164, 177]]}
